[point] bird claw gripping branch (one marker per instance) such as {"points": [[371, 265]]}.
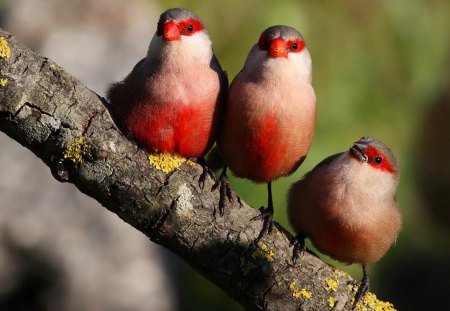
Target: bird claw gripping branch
{"points": [[224, 191], [205, 173], [299, 246]]}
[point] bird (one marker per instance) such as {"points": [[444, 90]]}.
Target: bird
{"points": [[270, 113], [173, 98], [346, 205]]}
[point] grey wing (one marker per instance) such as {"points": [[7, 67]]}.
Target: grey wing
{"points": [[327, 160], [323, 163]]}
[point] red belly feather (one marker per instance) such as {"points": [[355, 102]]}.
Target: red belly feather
{"points": [[173, 128], [265, 150]]}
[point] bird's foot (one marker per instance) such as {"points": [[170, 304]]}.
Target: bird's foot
{"points": [[224, 190], [266, 214], [364, 287], [206, 172], [299, 246]]}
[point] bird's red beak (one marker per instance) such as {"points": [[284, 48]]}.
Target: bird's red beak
{"points": [[171, 32], [278, 48]]}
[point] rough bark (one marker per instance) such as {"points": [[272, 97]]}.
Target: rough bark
{"points": [[69, 127]]}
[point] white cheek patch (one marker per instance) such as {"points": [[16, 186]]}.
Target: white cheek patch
{"points": [[198, 46], [375, 183], [255, 58], [301, 63], [195, 48], [296, 65]]}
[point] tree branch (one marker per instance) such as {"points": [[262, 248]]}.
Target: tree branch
{"points": [[70, 129]]}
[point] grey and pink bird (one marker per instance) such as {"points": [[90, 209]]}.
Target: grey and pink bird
{"points": [[346, 205], [270, 115], [172, 99]]}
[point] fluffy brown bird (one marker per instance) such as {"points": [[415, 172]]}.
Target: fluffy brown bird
{"points": [[346, 205]]}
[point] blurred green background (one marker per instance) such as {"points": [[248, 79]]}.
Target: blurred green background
{"points": [[380, 68]]}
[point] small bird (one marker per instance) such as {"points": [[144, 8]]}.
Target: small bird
{"points": [[171, 101], [346, 205], [270, 113]]}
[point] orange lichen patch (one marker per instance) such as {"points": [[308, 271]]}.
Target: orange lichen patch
{"points": [[371, 302], [297, 293], [78, 151], [3, 82], [5, 51], [167, 162]]}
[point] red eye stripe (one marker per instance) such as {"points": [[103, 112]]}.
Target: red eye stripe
{"points": [[296, 45], [264, 44], [184, 27], [372, 153]]}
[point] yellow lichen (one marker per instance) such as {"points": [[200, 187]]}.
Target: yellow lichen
{"points": [[3, 81], [167, 162], [341, 273], [247, 266], [106, 191], [270, 255], [78, 151], [331, 284], [263, 246], [263, 252], [352, 288], [371, 302], [5, 51], [297, 293], [56, 67], [331, 301]]}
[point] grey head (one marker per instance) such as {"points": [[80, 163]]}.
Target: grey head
{"points": [[280, 40], [370, 150], [285, 32], [177, 14]]}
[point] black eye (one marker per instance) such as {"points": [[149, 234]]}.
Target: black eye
{"points": [[190, 28], [295, 46], [378, 160]]}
